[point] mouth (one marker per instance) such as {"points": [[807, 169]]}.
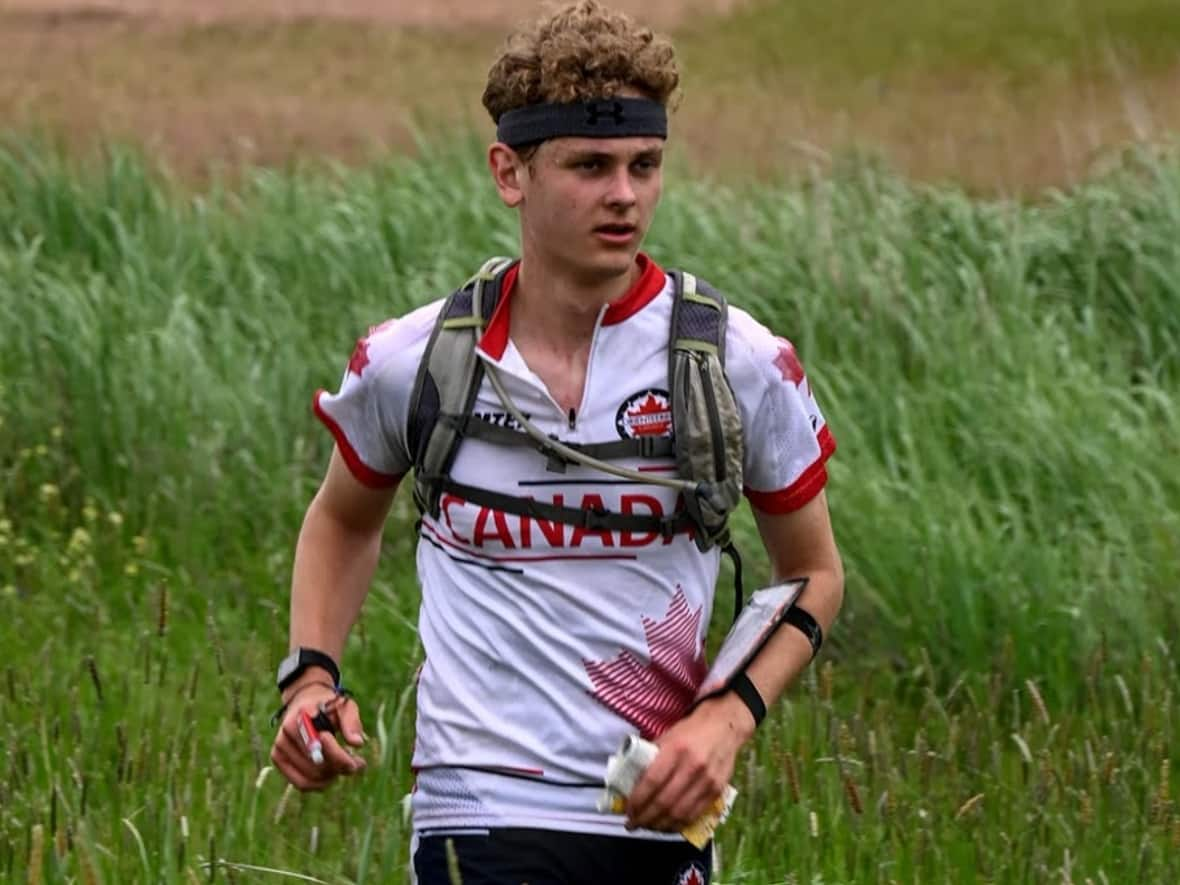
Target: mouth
{"points": [[616, 232]]}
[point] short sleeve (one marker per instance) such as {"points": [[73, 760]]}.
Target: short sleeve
{"points": [[367, 416], [787, 440]]}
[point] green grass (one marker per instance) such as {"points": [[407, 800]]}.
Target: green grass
{"points": [[846, 40], [997, 703]]}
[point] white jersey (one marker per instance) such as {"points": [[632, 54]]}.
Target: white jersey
{"points": [[547, 643]]}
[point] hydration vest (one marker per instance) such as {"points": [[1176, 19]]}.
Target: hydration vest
{"points": [[706, 441]]}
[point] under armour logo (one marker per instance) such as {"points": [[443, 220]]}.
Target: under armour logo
{"points": [[611, 109]]}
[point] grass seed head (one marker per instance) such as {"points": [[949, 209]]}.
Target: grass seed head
{"points": [[162, 614], [281, 808], [792, 776], [970, 804], [1109, 769], [36, 846], [1038, 701], [1161, 802], [826, 680], [92, 668], [853, 795]]}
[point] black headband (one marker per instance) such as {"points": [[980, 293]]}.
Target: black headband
{"points": [[605, 118]]}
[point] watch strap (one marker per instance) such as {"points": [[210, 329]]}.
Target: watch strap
{"points": [[305, 658], [744, 689]]}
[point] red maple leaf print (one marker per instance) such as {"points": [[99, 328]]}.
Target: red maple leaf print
{"points": [[650, 418], [656, 695], [788, 363], [360, 357]]}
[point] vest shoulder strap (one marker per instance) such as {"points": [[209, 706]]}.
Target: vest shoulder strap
{"points": [[705, 415], [448, 379]]}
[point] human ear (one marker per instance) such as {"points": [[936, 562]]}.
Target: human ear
{"points": [[508, 170]]}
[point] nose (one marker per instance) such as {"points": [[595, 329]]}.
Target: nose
{"points": [[622, 191]]}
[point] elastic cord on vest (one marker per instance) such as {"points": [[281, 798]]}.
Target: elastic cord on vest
{"points": [[569, 454], [604, 118]]}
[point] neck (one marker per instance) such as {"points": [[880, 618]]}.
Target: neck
{"points": [[561, 309]]}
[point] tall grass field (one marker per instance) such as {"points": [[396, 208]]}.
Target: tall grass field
{"points": [[998, 702]]}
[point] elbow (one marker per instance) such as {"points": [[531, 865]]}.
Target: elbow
{"points": [[828, 583], [824, 595]]}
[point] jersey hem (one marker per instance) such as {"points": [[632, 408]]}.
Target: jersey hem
{"points": [[610, 826]]}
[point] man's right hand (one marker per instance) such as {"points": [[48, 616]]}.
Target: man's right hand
{"points": [[290, 755]]}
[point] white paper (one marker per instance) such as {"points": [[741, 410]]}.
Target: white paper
{"points": [[759, 617]]}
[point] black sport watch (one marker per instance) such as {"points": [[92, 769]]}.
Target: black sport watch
{"points": [[295, 665]]}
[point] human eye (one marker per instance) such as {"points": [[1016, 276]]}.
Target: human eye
{"points": [[646, 165]]}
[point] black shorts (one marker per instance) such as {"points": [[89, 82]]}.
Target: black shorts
{"points": [[512, 856]]}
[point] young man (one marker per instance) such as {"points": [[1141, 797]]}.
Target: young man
{"points": [[546, 643]]}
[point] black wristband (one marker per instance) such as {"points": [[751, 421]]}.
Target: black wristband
{"points": [[744, 689], [802, 621], [297, 663]]}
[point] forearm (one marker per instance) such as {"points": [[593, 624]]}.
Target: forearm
{"points": [[786, 654], [334, 565]]}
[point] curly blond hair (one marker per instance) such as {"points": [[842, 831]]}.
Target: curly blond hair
{"points": [[578, 52]]}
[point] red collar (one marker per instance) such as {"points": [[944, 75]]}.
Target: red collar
{"points": [[649, 284]]}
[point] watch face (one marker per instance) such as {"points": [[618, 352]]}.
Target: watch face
{"points": [[288, 666]]}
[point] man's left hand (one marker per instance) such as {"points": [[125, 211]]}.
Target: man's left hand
{"points": [[693, 766]]}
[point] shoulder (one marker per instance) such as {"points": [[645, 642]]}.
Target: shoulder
{"points": [[392, 350], [756, 356]]}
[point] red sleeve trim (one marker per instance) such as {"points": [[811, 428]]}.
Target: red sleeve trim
{"points": [[809, 484], [365, 474], [827, 443]]}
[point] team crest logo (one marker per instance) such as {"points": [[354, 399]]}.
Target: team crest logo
{"points": [[693, 874], [647, 413]]}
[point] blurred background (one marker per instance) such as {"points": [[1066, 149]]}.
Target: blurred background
{"points": [[1003, 95]]}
